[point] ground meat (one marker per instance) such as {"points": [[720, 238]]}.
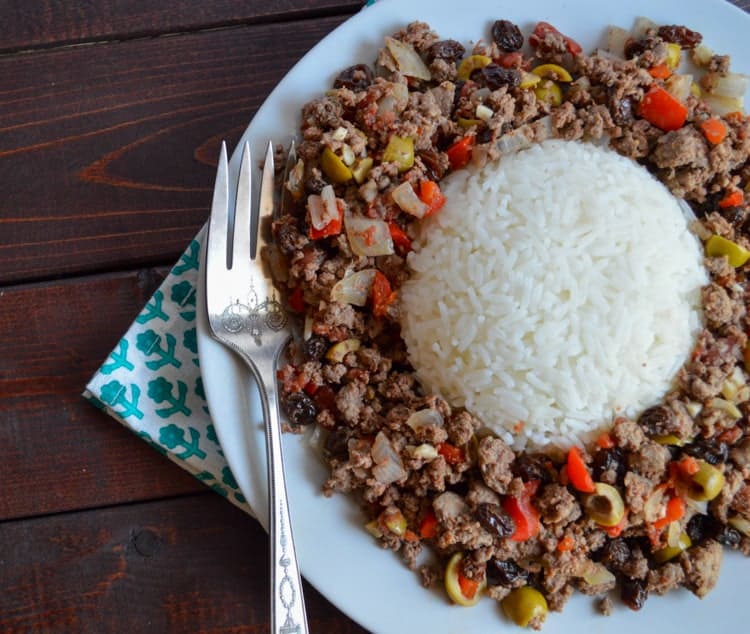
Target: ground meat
{"points": [[637, 490], [349, 401], [665, 578], [557, 505], [702, 565], [495, 458], [628, 434], [461, 427], [718, 307], [650, 460], [605, 606], [685, 147]]}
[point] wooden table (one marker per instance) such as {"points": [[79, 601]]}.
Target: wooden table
{"points": [[111, 114]]}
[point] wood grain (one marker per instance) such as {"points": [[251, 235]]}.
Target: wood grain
{"points": [[125, 137], [59, 452], [37, 23], [194, 564]]}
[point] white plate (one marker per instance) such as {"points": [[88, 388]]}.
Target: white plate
{"points": [[339, 558]]}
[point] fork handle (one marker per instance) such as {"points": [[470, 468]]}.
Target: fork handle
{"points": [[288, 614]]}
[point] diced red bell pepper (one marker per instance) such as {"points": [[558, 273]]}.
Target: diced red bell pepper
{"points": [[428, 527], [578, 473], [660, 71], [733, 199], [333, 228], [714, 129], [296, 300], [663, 110], [542, 28], [614, 531], [523, 513], [399, 237], [452, 454], [382, 295], [430, 195], [605, 441], [675, 511], [459, 154], [468, 586]]}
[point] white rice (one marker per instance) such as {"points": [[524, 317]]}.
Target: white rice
{"points": [[555, 290]]}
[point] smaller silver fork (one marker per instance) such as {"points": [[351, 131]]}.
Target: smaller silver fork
{"points": [[245, 315]]}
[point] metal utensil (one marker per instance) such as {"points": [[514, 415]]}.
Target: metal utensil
{"points": [[245, 315]]}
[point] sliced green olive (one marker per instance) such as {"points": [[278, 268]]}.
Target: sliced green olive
{"points": [[670, 440], [604, 505], [472, 63], [400, 150], [707, 482], [525, 604], [716, 246], [549, 92], [552, 71], [361, 169], [468, 123], [337, 352], [453, 583], [529, 80], [333, 167], [394, 521], [670, 552]]}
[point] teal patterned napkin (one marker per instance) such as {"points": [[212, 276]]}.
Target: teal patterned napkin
{"points": [[151, 381]]}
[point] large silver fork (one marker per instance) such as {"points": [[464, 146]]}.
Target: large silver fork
{"points": [[245, 315]]}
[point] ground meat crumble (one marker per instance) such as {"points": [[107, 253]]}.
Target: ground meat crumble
{"points": [[427, 473]]}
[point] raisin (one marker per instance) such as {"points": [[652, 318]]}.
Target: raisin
{"points": [[448, 50], [680, 35], [621, 109], [507, 35], [495, 520], [337, 445], [530, 467], [356, 78], [609, 460], [505, 573], [657, 420], [314, 184], [300, 409], [711, 451], [485, 135], [315, 348], [614, 554], [633, 593], [701, 527], [494, 76]]}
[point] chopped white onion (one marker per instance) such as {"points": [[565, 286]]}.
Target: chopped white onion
{"points": [[701, 55], [406, 198], [307, 328], [323, 208], [339, 134], [347, 155], [353, 289], [673, 534], [679, 86], [616, 39], [732, 85], [388, 466], [721, 105], [741, 524], [642, 25], [597, 575], [408, 60], [425, 451], [395, 100], [368, 236], [525, 136], [655, 507], [483, 112], [425, 418]]}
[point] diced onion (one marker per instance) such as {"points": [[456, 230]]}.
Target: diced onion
{"points": [[642, 25], [307, 329], [741, 524], [368, 236], [679, 86], [353, 289], [406, 198], [721, 105], [425, 418], [732, 85], [701, 55], [395, 100], [408, 60], [425, 451], [388, 466], [730, 408], [596, 574], [673, 534], [338, 351], [616, 39], [525, 136], [339, 134], [323, 208], [483, 112], [655, 506]]}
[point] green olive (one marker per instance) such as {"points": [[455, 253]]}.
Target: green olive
{"points": [[604, 505], [361, 169], [525, 604], [453, 583], [400, 150], [670, 440], [716, 246], [670, 552], [707, 482], [549, 92], [333, 167], [471, 63]]}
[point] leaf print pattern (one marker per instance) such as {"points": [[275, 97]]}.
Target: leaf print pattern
{"points": [[151, 381]]}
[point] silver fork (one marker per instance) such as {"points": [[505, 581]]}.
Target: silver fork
{"points": [[245, 316]]}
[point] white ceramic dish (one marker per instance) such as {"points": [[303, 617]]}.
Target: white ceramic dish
{"points": [[339, 558]]}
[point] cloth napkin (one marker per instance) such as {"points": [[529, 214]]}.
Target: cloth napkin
{"points": [[151, 381]]}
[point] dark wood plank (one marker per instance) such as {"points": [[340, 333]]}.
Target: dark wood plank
{"points": [[193, 564], [35, 23], [126, 137], [59, 452]]}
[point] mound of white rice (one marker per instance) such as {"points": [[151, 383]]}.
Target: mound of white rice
{"points": [[555, 290]]}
